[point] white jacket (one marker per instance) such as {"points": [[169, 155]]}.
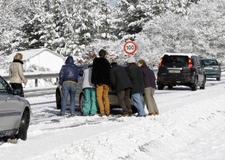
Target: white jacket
{"points": [[87, 78], [16, 73]]}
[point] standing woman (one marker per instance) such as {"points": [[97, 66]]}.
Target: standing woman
{"points": [[16, 75], [149, 81]]}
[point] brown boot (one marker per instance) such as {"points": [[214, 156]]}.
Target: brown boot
{"points": [[101, 114], [125, 115]]}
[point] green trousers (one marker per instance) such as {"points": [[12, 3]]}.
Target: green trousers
{"points": [[90, 102]]}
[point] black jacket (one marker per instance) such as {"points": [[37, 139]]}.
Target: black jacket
{"points": [[100, 71], [149, 76], [136, 77], [119, 79]]}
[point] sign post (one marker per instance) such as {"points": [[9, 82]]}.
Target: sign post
{"points": [[130, 47]]}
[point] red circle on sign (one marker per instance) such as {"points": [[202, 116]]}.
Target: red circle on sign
{"points": [[130, 47]]}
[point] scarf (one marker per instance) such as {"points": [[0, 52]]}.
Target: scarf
{"points": [[17, 60]]}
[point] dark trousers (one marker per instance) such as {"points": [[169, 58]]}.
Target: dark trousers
{"points": [[17, 89], [124, 100]]}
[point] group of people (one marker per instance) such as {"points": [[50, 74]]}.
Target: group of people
{"points": [[133, 81]]}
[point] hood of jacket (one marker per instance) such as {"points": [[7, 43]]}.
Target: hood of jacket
{"points": [[69, 60]]}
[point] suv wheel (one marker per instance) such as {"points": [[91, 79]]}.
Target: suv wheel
{"points": [[160, 86], [194, 85], [170, 86], [203, 84]]}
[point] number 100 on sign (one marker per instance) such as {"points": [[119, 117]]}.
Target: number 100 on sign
{"points": [[130, 47]]}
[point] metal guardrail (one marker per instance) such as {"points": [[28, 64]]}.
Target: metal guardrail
{"points": [[39, 91], [44, 75], [35, 75]]}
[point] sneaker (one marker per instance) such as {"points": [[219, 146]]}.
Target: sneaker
{"points": [[125, 115], [130, 111], [141, 115], [12, 140], [72, 115], [61, 114]]}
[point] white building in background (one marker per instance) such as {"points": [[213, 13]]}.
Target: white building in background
{"points": [[40, 57]]}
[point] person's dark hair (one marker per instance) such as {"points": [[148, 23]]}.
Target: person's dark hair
{"points": [[113, 63], [102, 53]]}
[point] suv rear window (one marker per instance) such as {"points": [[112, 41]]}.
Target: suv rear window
{"points": [[178, 61], [209, 62]]}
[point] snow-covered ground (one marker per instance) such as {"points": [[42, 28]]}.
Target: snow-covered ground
{"points": [[191, 126]]}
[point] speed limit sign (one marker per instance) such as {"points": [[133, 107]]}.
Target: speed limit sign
{"points": [[130, 47]]}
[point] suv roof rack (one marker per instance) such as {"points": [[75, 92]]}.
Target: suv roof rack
{"points": [[181, 54]]}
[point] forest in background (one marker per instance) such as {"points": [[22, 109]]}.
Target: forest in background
{"points": [[80, 28]]}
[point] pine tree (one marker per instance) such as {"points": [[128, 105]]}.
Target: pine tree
{"points": [[129, 17]]}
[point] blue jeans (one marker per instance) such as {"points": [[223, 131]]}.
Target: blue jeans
{"points": [[68, 88], [137, 98]]}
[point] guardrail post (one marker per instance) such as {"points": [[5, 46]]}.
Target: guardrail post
{"points": [[36, 82]]}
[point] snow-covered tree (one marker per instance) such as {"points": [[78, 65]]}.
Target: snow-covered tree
{"points": [[54, 25], [208, 20], [10, 35], [81, 28], [130, 17], [199, 31]]}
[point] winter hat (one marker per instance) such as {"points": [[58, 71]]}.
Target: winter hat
{"points": [[131, 60]]}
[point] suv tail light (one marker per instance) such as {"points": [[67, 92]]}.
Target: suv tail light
{"points": [[160, 62], [190, 65]]}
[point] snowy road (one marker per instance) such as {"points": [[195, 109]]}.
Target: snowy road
{"points": [[190, 126]]}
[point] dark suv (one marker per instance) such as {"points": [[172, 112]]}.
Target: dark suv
{"points": [[180, 69]]}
